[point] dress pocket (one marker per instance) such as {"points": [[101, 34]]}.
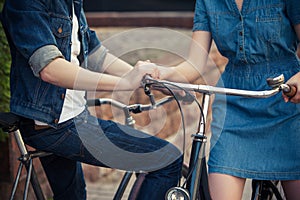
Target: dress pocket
{"points": [[268, 28]]}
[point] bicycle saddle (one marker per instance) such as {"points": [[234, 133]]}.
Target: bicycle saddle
{"points": [[9, 122]]}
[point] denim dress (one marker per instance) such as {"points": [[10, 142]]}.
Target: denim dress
{"points": [[254, 138]]}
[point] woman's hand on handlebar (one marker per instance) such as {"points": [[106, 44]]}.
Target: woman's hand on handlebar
{"points": [[294, 83]]}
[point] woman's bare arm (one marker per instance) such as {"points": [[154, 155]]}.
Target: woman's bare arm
{"points": [[195, 65], [295, 80]]}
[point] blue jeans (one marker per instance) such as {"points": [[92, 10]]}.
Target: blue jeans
{"points": [[103, 143]]}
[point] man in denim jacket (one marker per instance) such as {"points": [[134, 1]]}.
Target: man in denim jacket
{"points": [[55, 59]]}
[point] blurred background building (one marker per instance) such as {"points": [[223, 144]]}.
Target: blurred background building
{"points": [[137, 5], [167, 13]]}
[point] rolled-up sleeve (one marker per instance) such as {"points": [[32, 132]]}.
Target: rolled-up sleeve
{"points": [[42, 57], [97, 53], [200, 17], [293, 11]]}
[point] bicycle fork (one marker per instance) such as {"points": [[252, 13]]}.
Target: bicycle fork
{"points": [[197, 167], [197, 183]]}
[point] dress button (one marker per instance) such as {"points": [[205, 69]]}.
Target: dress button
{"points": [[56, 121]]}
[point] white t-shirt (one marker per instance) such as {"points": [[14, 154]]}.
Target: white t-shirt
{"points": [[75, 100]]}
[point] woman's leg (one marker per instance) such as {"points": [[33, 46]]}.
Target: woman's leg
{"points": [[225, 187], [291, 189]]}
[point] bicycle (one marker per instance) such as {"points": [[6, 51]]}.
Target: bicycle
{"points": [[9, 123], [195, 186]]}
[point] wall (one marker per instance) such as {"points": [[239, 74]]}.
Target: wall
{"points": [[136, 5]]}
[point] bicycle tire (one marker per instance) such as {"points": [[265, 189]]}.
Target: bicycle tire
{"points": [[135, 189], [203, 191]]}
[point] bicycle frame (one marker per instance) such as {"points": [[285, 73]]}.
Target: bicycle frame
{"points": [[197, 175]]}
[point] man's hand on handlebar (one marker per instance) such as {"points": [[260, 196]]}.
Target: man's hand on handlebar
{"points": [[132, 79]]}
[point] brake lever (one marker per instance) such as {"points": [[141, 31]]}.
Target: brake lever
{"points": [[146, 85]]}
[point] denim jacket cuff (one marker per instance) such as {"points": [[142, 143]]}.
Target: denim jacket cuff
{"points": [[42, 57]]}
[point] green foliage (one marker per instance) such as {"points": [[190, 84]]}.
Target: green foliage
{"points": [[4, 73]]}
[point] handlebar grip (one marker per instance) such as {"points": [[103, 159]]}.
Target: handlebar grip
{"points": [[290, 91]]}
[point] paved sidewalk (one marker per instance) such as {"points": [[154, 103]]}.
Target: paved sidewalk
{"points": [[105, 190]]}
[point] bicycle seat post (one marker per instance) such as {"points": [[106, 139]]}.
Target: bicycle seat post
{"points": [[20, 143]]}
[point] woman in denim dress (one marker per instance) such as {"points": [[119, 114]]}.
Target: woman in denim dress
{"points": [[251, 138]]}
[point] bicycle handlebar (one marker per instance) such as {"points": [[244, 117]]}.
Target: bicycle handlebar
{"points": [[276, 83], [133, 108]]}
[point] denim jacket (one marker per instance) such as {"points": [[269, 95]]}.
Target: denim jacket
{"points": [[38, 31], [260, 32]]}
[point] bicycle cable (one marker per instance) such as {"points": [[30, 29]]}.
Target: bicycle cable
{"points": [[164, 84]]}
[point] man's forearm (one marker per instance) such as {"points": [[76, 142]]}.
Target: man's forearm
{"points": [[65, 74]]}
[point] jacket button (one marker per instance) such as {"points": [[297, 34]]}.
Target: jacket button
{"points": [[56, 121], [59, 30], [62, 96]]}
